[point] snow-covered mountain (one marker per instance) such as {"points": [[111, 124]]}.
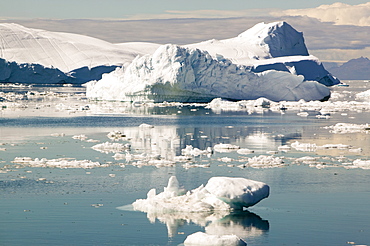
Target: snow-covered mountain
{"points": [[268, 60]]}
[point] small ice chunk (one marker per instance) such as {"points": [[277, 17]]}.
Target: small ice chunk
{"points": [[201, 238], [146, 126], [264, 161], [58, 163], [303, 114], [116, 135], [237, 192], [342, 128], [190, 150], [361, 164], [81, 137], [225, 147], [306, 147], [244, 151], [108, 147], [284, 148]]}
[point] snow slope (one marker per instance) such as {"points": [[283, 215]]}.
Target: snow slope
{"points": [[272, 46], [263, 41], [64, 51], [268, 60]]}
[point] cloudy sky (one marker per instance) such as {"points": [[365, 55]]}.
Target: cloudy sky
{"points": [[334, 31]]}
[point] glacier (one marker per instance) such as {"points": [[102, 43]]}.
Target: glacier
{"points": [[268, 60], [46, 57]]}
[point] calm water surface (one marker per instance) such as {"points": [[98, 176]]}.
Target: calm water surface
{"points": [[311, 203]]}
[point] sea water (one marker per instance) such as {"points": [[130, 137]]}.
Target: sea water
{"points": [[318, 196]]}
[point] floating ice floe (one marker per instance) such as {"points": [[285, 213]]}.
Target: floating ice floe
{"points": [[284, 148], [251, 106], [312, 147], [116, 135], [220, 193], [365, 95], [303, 114], [201, 238], [57, 134], [195, 165], [342, 128], [244, 151], [58, 163], [225, 147], [144, 125], [81, 137], [363, 164], [190, 150], [108, 147], [264, 161]]}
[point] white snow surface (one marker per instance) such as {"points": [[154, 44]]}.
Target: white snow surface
{"points": [[201, 238], [175, 73], [108, 147], [56, 163], [220, 193], [365, 95], [268, 60], [342, 128], [262, 41], [65, 51]]}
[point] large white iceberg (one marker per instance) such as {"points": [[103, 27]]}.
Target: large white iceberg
{"points": [[79, 57], [220, 193], [262, 41], [269, 60], [175, 73]]}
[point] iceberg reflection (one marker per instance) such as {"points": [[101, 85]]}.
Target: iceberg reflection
{"points": [[243, 224]]}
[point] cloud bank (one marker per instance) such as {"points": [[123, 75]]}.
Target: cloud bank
{"points": [[338, 13]]}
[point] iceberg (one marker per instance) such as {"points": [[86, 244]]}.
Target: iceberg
{"points": [[268, 60], [80, 58], [180, 74], [220, 193]]}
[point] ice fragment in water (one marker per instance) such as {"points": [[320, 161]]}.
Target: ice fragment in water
{"points": [[220, 193]]}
